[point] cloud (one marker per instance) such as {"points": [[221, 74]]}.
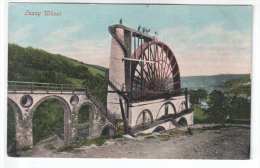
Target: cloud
{"points": [[88, 51], [20, 35], [210, 50], [65, 42]]}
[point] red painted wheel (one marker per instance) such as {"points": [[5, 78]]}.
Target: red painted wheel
{"points": [[156, 72]]}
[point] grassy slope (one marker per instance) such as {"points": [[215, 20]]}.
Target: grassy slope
{"points": [[29, 64]]}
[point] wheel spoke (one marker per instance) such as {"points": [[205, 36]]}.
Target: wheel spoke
{"points": [[153, 78]]}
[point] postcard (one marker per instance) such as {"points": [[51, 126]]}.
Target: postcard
{"points": [[143, 81]]}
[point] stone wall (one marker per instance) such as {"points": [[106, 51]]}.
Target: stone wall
{"points": [[156, 107], [24, 116]]}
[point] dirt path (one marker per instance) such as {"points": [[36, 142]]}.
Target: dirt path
{"points": [[221, 143]]}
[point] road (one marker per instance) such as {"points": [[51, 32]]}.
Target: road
{"points": [[209, 143]]}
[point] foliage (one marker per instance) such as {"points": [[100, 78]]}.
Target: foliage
{"points": [[119, 128], [238, 87], [196, 96], [218, 107], [200, 115], [35, 65], [84, 112], [48, 120], [67, 148], [97, 86], [97, 141], [232, 101], [240, 108], [85, 142], [238, 92]]}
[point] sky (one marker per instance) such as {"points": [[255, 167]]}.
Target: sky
{"points": [[206, 40]]}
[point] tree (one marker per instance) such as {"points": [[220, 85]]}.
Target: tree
{"points": [[202, 94], [218, 107], [240, 108], [196, 96], [97, 86], [193, 97], [238, 92]]}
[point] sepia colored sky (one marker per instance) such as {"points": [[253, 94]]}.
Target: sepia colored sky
{"points": [[205, 39]]}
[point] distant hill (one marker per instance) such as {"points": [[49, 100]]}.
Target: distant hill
{"points": [[210, 83]]}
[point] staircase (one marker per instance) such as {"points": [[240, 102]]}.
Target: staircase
{"points": [[104, 111]]}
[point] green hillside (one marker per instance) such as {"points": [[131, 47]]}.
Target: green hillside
{"points": [[239, 87], [36, 65]]}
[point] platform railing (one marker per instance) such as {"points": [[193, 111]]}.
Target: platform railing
{"points": [[48, 87]]}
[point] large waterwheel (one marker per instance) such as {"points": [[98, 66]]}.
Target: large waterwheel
{"points": [[156, 72]]}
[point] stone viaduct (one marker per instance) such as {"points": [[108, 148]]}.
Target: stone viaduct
{"points": [[25, 102]]}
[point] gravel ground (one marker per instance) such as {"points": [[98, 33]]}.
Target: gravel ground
{"points": [[206, 143]]}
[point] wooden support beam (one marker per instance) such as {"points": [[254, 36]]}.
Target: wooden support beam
{"points": [[123, 116]]}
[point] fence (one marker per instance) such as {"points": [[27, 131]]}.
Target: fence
{"points": [[32, 86]]}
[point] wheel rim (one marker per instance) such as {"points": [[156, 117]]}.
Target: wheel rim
{"points": [[157, 71]]}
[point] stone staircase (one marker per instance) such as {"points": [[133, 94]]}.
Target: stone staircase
{"points": [[101, 107]]}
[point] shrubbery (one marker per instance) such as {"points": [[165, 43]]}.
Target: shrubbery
{"points": [[48, 120], [231, 103]]}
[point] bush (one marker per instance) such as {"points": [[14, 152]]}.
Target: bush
{"points": [[48, 120], [196, 96], [218, 107], [96, 141], [240, 108], [200, 115]]}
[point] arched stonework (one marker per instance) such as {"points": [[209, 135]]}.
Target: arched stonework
{"points": [[24, 134], [66, 110], [87, 125], [17, 117], [14, 106], [108, 130], [183, 122], [22, 125], [159, 129], [182, 106], [162, 110], [145, 117]]}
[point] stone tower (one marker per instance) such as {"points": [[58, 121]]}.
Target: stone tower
{"points": [[116, 73]]}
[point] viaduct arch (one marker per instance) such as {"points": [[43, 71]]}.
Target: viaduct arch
{"points": [[24, 103]]}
